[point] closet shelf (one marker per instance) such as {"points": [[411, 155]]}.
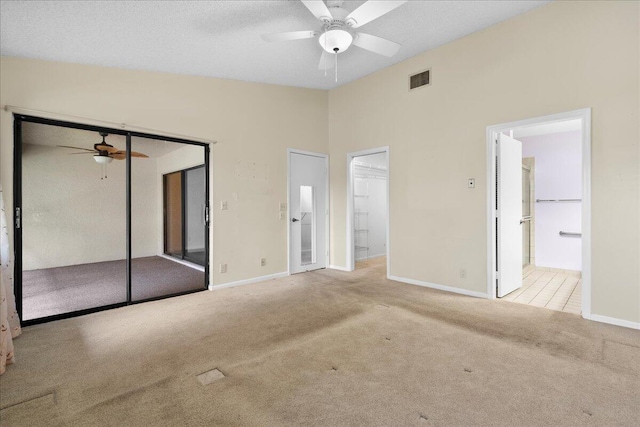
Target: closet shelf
{"points": [[362, 230], [362, 248]]}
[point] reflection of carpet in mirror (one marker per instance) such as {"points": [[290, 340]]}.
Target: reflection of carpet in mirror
{"points": [[52, 291]]}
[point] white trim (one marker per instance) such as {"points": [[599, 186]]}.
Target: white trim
{"points": [[439, 287], [613, 321], [326, 163], [248, 281], [492, 131], [351, 262], [183, 262], [337, 267]]}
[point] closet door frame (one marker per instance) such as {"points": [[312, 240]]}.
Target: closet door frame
{"points": [[18, 119]]}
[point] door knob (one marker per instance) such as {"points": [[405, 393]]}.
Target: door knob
{"points": [[294, 220]]}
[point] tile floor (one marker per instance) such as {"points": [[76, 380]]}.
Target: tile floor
{"points": [[556, 290]]}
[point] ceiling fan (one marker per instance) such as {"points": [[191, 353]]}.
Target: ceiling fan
{"points": [[337, 31], [104, 153]]}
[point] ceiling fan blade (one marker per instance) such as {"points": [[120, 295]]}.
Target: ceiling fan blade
{"points": [[372, 9], [76, 148], [107, 148], [290, 35], [327, 61], [120, 154], [319, 9], [376, 44]]}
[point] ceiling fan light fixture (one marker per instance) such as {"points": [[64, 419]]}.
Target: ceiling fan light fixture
{"points": [[336, 40], [103, 160]]}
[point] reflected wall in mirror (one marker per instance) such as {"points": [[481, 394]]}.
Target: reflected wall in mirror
{"points": [[73, 222]]}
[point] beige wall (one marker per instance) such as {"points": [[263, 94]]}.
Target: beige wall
{"points": [[560, 57], [254, 124], [70, 214]]}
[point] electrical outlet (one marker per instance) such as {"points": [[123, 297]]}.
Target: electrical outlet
{"points": [[283, 215], [223, 268], [223, 206], [471, 183], [263, 262], [463, 273]]}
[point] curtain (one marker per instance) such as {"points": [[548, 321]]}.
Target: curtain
{"points": [[9, 321]]}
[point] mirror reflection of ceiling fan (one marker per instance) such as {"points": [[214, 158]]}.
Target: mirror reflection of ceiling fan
{"points": [[104, 153], [337, 31]]}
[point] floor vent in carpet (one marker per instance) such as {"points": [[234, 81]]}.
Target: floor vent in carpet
{"points": [[210, 376]]}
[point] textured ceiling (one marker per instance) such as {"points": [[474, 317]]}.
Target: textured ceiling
{"points": [[222, 38]]}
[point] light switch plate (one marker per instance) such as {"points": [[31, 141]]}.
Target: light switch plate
{"points": [[283, 206], [223, 206], [472, 183]]}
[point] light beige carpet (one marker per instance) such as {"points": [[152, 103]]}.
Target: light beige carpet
{"points": [[325, 348]]}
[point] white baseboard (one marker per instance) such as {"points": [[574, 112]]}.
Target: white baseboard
{"points": [[439, 287], [337, 267], [248, 281], [613, 321]]}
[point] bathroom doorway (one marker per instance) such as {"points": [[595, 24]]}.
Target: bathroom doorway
{"points": [[540, 228]]}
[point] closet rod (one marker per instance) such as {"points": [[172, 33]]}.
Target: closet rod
{"points": [[558, 200], [102, 123]]}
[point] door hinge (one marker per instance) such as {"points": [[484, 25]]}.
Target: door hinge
{"points": [[17, 218], [206, 214]]}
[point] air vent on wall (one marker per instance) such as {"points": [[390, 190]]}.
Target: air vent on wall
{"points": [[420, 79]]}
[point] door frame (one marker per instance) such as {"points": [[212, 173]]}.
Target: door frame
{"points": [[491, 134], [288, 218], [183, 249], [351, 261], [18, 119]]}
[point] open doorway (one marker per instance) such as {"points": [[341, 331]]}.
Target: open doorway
{"points": [[539, 222], [368, 209]]}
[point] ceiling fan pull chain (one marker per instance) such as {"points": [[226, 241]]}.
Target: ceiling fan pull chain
{"points": [[325, 48], [336, 66]]}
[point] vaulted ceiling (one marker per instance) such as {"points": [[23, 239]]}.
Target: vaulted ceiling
{"points": [[222, 38]]}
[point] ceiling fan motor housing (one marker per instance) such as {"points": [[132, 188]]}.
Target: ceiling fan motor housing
{"points": [[337, 36]]}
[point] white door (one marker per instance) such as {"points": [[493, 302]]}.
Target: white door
{"points": [[509, 193], [308, 212]]}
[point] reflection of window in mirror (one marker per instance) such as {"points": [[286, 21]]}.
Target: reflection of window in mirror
{"points": [[307, 224]]}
